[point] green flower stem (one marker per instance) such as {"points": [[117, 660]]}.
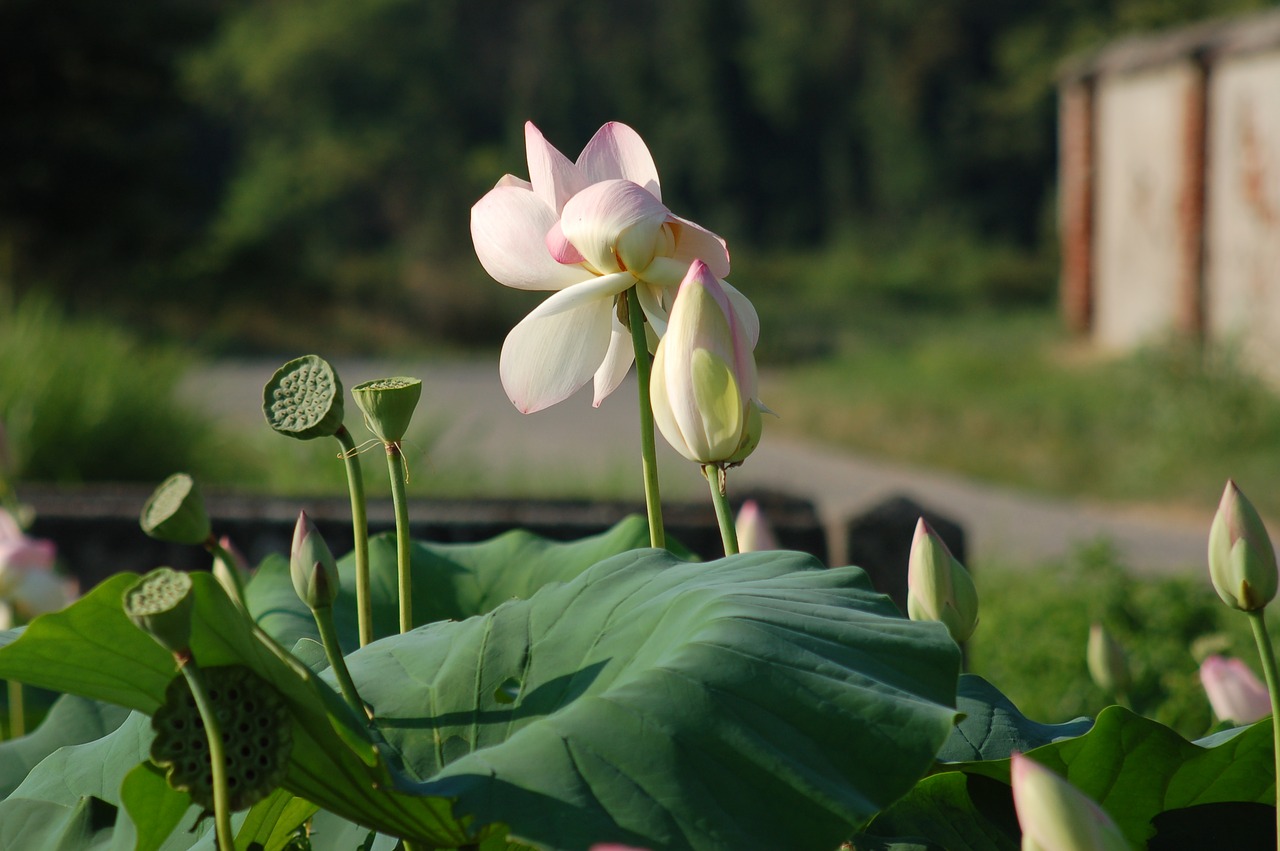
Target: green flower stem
{"points": [[396, 465], [1268, 657], [217, 758], [360, 529], [648, 449], [715, 476], [329, 637], [17, 716]]}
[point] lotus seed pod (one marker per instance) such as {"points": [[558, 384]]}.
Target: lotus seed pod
{"points": [[175, 512], [388, 405], [159, 604], [311, 565], [256, 736], [303, 399], [1242, 563]]}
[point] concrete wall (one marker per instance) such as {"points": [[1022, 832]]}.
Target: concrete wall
{"points": [[1169, 174], [1242, 272]]}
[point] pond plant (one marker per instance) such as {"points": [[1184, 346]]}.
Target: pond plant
{"points": [[605, 693]]}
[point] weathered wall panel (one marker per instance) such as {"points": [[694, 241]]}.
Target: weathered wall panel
{"points": [[1141, 191], [1242, 269]]}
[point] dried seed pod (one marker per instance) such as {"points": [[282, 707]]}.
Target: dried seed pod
{"points": [[303, 399], [256, 736]]}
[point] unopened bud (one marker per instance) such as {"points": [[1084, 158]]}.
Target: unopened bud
{"points": [[311, 565], [1242, 563], [938, 586], [1108, 664], [1056, 816]]}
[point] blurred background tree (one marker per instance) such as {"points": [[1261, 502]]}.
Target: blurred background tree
{"points": [[196, 165]]}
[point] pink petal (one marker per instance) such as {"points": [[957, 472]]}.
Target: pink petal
{"points": [[512, 180], [554, 178], [617, 151], [1234, 691], [617, 363], [554, 350], [694, 242], [509, 226], [561, 249], [615, 224], [746, 312]]}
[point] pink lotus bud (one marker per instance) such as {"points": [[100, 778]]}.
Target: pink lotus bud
{"points": [[1235, 692], [1055, 816], [703, 388], [753, 530]]}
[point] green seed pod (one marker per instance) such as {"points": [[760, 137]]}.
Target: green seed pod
{"points": [[159, 604], [388, 405], [256, 736], [303, 399], [175, 512]]}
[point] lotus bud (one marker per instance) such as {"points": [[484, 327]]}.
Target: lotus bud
{"points": [[159, 604], [1235, 692], [938, 586], [1242, 563], [175, 512], [43, 591], [388, 405], [753, 530], [311, 564], [704, 384], [1055, 816], [303, 399], [1108, 664]]}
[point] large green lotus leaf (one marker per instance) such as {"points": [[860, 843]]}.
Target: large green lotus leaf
{"points": [[1134, 767], [71, 721], [92, 649], [450, 581], [758, 701], [993, 728]]}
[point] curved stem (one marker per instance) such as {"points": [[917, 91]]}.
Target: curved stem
{"points": [[648, 449], [360, 529], [716, 478], [1269, 671], [395, 464], [329, 637], [217, 758]]}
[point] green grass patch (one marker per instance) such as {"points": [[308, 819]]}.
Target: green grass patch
{"points": [[1006, 396]]}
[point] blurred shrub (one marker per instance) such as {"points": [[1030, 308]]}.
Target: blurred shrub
{"points": [[82, 401]]}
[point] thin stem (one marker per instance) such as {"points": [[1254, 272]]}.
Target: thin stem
{"points": [[217, 758], [1268, 657], [716, 478], [329, 637], [360, 529], [395, 464], [648, 449], [17, 714]]}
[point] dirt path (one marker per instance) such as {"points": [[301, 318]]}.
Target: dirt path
{"points": [[477, 422]]}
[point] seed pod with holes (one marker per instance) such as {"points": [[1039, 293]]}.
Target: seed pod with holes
{"points": [[256, 736], [175, 512], [388, 405], [303, 399], [159, 604]]}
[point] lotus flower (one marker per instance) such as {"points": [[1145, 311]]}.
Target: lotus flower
{"points": [[1235, 692], [753, 530], [703, 389], [28, 585], [1242, 563], [587, 231], [1056, 816], [938, 586]]}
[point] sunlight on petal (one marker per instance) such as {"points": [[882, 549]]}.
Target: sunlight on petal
{"points": [[603, 287], [617, 363], [604, 216], [553, 177], [546, 359], [694, 242], [617, 151], [746, 312], [509, 228]]}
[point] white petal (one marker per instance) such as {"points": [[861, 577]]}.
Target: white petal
{"points": [[660, 401], [746, 312], [617, 151], [512, 180], [613, 222], [508, 228], [560, 344], [617, 363], [654, 309], [554, 178], [694, 242]]}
